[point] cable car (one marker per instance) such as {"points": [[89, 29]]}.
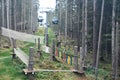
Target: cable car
{"points": [[55, 21], [40, 19]]}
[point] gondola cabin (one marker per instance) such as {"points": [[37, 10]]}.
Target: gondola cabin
{"points": [[40, 19], [55, 21]]}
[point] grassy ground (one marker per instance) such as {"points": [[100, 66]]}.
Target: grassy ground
{"points": [[13, 69]]}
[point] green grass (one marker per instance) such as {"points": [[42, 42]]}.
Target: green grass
{"points": [[9, 70], [40, 31], [49, 76], [51, 36], [5, 52], [26, 47], [12, 69]]}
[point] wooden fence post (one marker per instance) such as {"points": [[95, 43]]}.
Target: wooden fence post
{"points": [[56, 36], [76, 58], [35, 42], [47, 43], [81, 60], [46, 36], [39, 52], [14, 46], [38, 43], [31, 63], [53, 52], [70, 60], [66, 58]]}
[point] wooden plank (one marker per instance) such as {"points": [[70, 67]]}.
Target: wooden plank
{"points": [[26, 71], [75, 58], [19, 36], [38, 70], [21, 56], [24, 54]]}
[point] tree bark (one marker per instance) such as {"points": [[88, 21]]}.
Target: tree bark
{"points": [[78, 2], [21, 17], [113, 40], [66, 23], [117, 52], [83, 32], [15, 15], [99, 39], [94, 33], [8, 19], [3, 21], [71, 22], [86, 28], [60, 24]]}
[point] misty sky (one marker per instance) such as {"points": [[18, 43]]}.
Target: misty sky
{"points": [[46, 3]]}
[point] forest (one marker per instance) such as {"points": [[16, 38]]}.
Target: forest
{"points": [[87, 33], [94, 26]]}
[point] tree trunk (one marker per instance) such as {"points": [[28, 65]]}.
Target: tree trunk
{"points": [[22, 15], [71, 22], [117, 51], [8, 18], [78, 24], [2, 21], [94, 33], [15, 15], [113, 40], [85, 28], [60, 25], [3, 13], [24, 9], [83, 32], [66, 23], [99, 39]]}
